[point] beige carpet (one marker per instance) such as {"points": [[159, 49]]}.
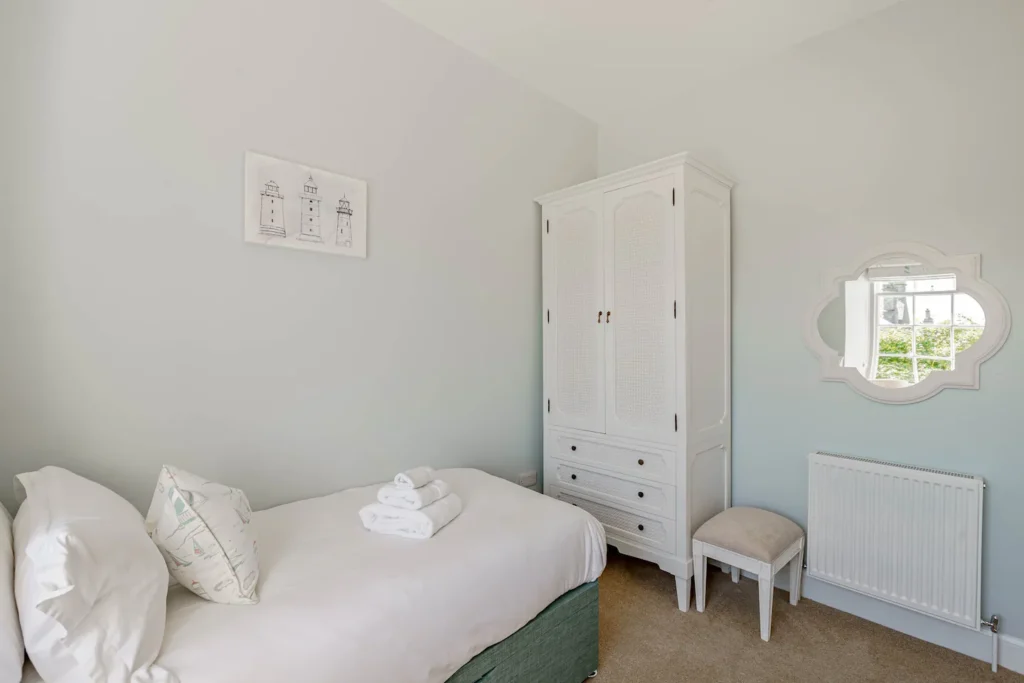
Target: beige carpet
{"points": [[645, 638]]}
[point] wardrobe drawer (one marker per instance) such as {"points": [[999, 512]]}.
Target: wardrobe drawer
{"points": [[648, 463], [630, 526], [655, 498]]}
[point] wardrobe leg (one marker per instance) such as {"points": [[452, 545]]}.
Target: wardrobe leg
{"points": [[683, 593]]}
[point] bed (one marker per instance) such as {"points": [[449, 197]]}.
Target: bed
{"points": [[505, 593]]}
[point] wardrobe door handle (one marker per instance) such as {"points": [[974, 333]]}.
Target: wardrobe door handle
{"points": [[640, 493], [599, 314], [574, 448], [608, 317], [640, 462], [640, 527], [573, 477]]}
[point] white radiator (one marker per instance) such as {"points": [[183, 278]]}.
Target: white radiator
{"points": [[907, 535]]}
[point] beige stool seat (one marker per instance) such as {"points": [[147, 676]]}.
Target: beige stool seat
{"points": [[756, 541]]}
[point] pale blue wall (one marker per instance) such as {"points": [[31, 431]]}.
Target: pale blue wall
{"points": [[907, 126], [136, 326]]}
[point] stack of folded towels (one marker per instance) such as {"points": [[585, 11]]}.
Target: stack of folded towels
{"points": [[415, 505]]}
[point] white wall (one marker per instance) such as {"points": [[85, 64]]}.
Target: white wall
{"points": [[139, 329], [906, 126]]}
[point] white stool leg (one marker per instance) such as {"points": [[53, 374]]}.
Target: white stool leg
{"points": [[700, 574], [796, 568], [683, 593], [735, 571], [766, 588]]}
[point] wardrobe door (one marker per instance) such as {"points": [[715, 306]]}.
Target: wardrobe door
{"points": [[574, 287], [640, 294]]}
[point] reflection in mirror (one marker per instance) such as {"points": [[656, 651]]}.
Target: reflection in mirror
{"points": [[900, 321]]}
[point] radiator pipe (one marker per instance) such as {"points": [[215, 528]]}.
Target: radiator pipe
{"points": [[994, 627]]}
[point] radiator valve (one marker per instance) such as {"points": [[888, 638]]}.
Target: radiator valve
{"points": [[994, 627]]}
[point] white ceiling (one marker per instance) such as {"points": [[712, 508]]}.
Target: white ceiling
{"points": [[610, 59]]}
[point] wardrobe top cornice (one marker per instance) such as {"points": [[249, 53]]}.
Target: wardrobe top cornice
{"points": [[636, 172]]}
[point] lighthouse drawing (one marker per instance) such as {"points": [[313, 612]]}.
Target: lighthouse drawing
{"points": [[344, 236], [310, 231], [327, 212], [272, 211]]}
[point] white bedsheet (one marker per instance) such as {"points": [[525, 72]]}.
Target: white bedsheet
{"points": [[339, 604]]}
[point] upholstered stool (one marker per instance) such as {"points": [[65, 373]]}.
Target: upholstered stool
{"points": [[754, 540]]}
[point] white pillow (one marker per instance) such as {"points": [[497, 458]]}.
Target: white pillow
{"points": [[12, 649], [91, 588], [202, 529]]}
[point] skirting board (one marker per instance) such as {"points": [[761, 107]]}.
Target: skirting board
{"points": [[1011, 653], [971, 643]]}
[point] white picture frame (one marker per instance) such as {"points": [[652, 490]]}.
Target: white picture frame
{"points": [[301, 207]]}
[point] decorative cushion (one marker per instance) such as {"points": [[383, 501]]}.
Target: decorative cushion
{"points": [[91, 589], [202, 529], [12, 648], [750, 532]]}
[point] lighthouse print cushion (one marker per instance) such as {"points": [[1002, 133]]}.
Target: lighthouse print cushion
{"points": [[203, 531]]}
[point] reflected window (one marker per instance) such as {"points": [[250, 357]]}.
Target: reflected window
{"points": [[921, 323]]}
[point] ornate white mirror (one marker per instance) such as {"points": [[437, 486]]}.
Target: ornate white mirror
{"points": [[904, 323]]}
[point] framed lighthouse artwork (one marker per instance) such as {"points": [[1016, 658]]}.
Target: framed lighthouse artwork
{"points": [[297, 206]]}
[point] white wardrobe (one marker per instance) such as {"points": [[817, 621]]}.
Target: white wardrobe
{"points": [[636, 323]]}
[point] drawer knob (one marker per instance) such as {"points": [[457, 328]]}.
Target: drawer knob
{"points": [[574, 476], [573, 448], [640, 462], [640, 527], [640, 494]]}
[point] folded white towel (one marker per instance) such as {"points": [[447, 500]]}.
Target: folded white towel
{"points": [[413, 499], [423, 523], [414, 478]]}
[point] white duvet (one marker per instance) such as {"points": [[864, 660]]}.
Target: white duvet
{"points": [[339, 604]]}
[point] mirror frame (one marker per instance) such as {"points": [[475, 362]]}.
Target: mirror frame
{"points": [[966, 375]]}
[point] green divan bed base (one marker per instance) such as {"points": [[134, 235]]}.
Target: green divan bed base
{"points": [[558, 646]]}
